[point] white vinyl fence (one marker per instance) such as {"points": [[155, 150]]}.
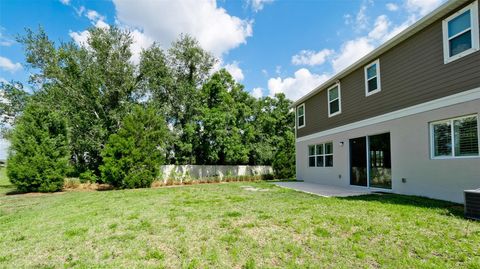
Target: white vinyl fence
{"points": [[201, 171]]}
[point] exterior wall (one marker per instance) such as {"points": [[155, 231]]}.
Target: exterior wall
{"points": [[199, 171], [410, 154], [413, 72]]}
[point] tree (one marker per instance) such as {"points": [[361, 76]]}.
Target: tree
{"points": [[90, 85], [38, 156], [190, 65], [13, 99], [132, 156], [284, 159], [222, 124]]}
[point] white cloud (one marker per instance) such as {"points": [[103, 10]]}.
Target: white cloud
{"points": [[7, 65], [65, 2], [310, 57], [361, 19], [380, 29], [140, 42], [258, 5], [80, 38], [350, 52], [257, 92], [79, 10], [5, 41], [94, 15], [102, 24], [422, 7], [392, 6], [399, 28], [235, 71], [297, 86], [278, 69], [215, 29]]}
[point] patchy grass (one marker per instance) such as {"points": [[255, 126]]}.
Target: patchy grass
{"points": [[229, 225]]}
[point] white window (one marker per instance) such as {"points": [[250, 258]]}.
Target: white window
{"points": [[455, 138], [320, 155], [301, 116], [460, 33], [334, 100], [372, 78]]}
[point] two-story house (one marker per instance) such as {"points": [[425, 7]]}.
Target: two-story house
{"points": [[404, 118]]}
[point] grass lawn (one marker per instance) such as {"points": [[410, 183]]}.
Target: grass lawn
{"points": [[228, 225]]}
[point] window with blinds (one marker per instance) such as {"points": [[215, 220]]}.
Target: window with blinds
{"points": [[456, 137]]}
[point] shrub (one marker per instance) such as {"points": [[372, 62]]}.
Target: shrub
{"points": [[71, 183], [88, 176], [133, 155], [38, 155], [268, 177]]}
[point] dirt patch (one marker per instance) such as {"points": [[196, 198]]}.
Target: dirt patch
{"points": [[250, 188]]}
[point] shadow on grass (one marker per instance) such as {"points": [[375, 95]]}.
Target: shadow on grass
{"points": [[407, 200]]}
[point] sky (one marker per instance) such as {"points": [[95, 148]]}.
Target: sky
{"points": [[270, 46]]}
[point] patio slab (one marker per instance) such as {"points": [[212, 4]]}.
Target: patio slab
{"points": [[324, 190]]}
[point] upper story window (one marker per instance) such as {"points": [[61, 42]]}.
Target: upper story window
{"points": [[301, 116], [460, 33], [454, 138], [372, 78], [334, 100]]}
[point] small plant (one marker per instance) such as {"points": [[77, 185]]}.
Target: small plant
{"points": [[71, 183], [88, 176], [268, 177]]}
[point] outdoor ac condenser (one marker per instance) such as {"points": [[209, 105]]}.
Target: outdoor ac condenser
{"points": [[472, 204]]}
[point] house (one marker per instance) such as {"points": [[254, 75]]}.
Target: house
{"points": [[404, 118]]}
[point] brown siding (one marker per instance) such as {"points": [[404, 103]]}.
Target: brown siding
{"points": [[411, 73]]}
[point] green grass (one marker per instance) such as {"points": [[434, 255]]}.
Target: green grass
{"points": [[225, 226]]}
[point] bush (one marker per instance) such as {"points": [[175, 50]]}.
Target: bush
{"points": [[88, 176], [133, 155], [38, 155], [268, 177], [71, 183]]}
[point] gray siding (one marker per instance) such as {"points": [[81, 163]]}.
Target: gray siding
{"points": [[412, 72]]}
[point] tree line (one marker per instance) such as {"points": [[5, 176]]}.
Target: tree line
{"points": [[94, 112]]}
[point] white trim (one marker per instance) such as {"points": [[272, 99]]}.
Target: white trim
{"points": [[339, 98], [427, 106], [315, 155], [297, 117], [452, 130], [377, 77], [435, 15], [473, 7]]}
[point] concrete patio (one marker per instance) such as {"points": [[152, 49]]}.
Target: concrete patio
{"points": [[323, 190]]}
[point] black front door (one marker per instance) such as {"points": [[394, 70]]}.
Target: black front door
{"points": [[358, 161]]}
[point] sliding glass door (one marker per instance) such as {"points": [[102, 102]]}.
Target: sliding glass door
{"points": [[380, 165], [370, 163]]}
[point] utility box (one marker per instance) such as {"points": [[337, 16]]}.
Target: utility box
{"points": [[472, 204]]}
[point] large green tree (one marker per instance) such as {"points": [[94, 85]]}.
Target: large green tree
{"points": [[91, 85], [38, 155]]}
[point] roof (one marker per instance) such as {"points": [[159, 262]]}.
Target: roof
{"points": [[435, 15]]}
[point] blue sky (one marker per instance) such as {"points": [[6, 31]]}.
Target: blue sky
{"points": [[269, 46]]}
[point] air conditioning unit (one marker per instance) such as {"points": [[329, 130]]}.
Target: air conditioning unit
{"points": [[472, 204]]}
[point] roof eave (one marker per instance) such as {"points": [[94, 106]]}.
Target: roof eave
{"points": [[405, 34]]}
